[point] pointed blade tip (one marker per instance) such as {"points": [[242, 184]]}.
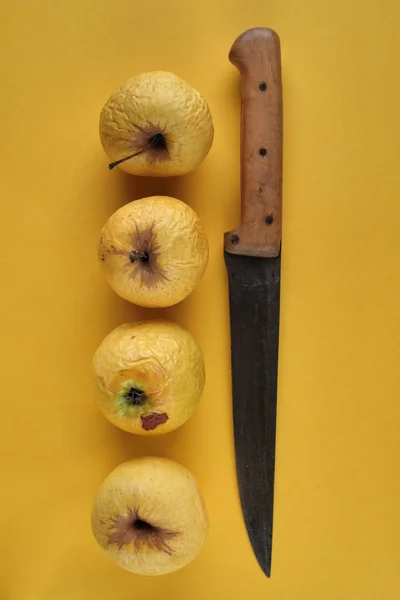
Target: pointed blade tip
{"points": [[265, 565], [266, 570]]}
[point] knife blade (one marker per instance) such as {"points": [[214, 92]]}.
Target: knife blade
{"points": [[252, 257]]}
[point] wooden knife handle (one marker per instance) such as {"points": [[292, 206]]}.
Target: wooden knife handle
{"points": [[256, 53]]}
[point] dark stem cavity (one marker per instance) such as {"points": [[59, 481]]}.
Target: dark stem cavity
{"points": [[135, 397], [135, 255], [131, 529], [140, 525], [144, 257], [158, 141]]}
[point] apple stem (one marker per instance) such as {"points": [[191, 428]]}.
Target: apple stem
{"points": [[121, 160], [156, 141]]}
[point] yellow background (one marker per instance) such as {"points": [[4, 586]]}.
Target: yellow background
{"points": [[337, 522]]}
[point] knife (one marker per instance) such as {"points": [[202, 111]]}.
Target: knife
{"points": [[252, 257]]}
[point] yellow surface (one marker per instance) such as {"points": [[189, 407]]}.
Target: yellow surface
{"points": [[337, 527]]}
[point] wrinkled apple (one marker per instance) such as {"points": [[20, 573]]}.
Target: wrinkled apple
{"points": [[156, 125], [153, 251], [151, 375]]}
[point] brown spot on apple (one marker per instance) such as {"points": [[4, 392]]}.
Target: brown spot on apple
{"points": [[153, 420]]}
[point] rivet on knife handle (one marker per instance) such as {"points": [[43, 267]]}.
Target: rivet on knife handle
{"points": [[256, 53]]}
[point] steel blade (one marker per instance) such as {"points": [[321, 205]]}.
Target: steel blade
{"points": [[254, 293]]}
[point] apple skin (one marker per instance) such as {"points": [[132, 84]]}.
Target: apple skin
{"points": [[149, 516], [151, 376], [156, 106], [153, 251]]}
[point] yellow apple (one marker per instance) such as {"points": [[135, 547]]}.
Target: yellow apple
{"points": [[153, 251], [151, 375], [156, 125], [149, 516]]}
